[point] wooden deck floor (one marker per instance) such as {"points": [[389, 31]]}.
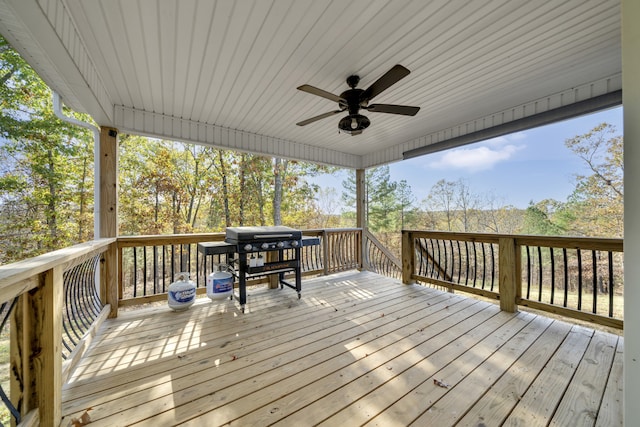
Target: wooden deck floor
{"points": [[357, 349]]}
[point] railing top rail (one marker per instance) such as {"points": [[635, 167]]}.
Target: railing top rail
{"points": [[13, 276], [169, 239], [596, 243], [341, 230], [176, 239]]}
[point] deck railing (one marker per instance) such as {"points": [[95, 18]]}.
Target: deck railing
{"points": [[581, 278], [379, 259], [148, 264], [52, 305]]}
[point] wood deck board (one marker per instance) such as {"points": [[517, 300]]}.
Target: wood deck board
{"points": [[357, 348]]}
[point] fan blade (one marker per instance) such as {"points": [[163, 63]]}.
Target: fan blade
{"points": [[320, 117], [395, 74], [405, 110], [319, 92]]}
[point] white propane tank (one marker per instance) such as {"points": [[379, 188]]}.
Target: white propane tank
{"points": [[182, 292], [220, 283]]}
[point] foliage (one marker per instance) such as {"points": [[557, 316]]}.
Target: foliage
{"points": [[389, 203], [46, 182], [596, 205]]}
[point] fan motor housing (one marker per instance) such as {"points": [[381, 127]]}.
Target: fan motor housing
{"points": [[354, 100]]}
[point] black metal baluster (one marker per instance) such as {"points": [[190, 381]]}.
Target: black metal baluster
{"points": [[484, 264], [466, 262], [594, 280], [475, 265], [433, 257], [446, 258], [135, 271], [155, 269], [529, 270], [459, 261], [610, 284], [493, 268], [173, 261], [566, 277], [579, 279], [553, 274], [452, 259], [540, 273]]}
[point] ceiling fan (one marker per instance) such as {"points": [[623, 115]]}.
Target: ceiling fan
{"points": [[352, 100]]}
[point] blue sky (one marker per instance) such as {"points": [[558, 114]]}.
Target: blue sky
{"points": [[515, 169]]}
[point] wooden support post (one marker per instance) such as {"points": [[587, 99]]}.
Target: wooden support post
{"points": [[108, 215], [274, 279], [408, 257], [36, 349], [361, 209], [48, 309], [509, 274], [109, 280]]}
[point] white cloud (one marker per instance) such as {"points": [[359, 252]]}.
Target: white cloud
{"points": [[476, 159]]}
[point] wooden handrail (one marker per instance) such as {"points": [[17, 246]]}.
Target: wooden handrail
{"points": [[21, 276], [511, 251]]}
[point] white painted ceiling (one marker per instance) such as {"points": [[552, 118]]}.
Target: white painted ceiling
{"points": [[225, 72]]}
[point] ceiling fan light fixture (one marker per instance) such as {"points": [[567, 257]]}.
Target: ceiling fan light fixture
{"points": [[354, 124]]}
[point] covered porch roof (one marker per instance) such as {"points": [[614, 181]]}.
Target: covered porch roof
{"points": [[224, 73]]}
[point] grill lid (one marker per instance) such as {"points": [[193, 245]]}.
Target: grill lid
{"points": [[253, 234]]}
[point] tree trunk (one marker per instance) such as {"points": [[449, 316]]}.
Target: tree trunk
{"points": [[279, 169], [52, 219], [225, 189], [83, 201]]}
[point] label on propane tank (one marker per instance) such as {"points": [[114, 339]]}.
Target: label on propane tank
{"points": [[222, 285], [184, 295]]}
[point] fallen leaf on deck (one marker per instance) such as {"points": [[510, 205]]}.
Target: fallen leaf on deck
{"points": [[440, 383], [83, 420]]}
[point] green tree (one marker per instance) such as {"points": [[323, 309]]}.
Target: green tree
{"points": [[46, 182], [382, 199], [596, 204], [406, 199], [538, 219]]}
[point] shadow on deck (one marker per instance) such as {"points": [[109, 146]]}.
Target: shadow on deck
{"points": [[358, 348]]}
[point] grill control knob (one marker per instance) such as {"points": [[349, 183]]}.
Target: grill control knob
{"points": [[294, 244], [280, 244], [247, 247], [265, 246]]}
